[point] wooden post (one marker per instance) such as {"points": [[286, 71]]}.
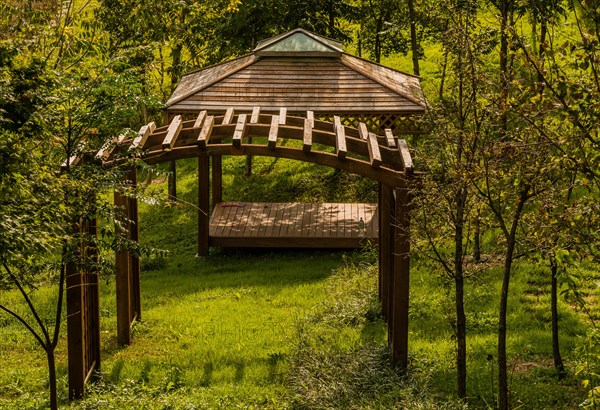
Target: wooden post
{"points": [[401, 279], [217, 180], [386, 232], [135, 312], [75, 329], [83, 307], [203, 204], [123, 281], [91, 294]]}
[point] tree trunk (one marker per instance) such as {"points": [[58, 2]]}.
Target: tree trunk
{"points": [[477, 239], [414, 45], [502, 362], [504, 71], [52, 377], [558, 362], [540, 79], [461, 340], [359, 42], [377, 46]]}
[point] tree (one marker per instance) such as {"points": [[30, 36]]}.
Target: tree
{"points": [[56, 102], [448, 200]]}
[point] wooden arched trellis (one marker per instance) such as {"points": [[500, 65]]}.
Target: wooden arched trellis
{"points": [[382, 158]]}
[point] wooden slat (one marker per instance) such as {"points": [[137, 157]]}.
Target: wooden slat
{"points": [[200, 119], [310, 115], [255, 115], [391, 141], [340, 140], [266, 209], [118, 142], [307, 136], [275, 121], [205, 132], [108, 148], [374, 152], [228, 116], [249, 210], [172, 132], [363, 131], [271, 220], [142, 137], [103, 150], [282, 115], [405, 155], [239, 131]]}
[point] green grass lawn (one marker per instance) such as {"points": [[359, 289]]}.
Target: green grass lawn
{"points": [[297, 329]]}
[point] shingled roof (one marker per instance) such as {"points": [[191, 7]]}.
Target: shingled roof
{"points": [[301, 71]]}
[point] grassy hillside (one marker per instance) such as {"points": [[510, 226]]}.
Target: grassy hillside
{"points": [[295, 329]]}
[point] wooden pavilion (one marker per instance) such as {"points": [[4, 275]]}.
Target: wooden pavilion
{"points": [[335, 110]]}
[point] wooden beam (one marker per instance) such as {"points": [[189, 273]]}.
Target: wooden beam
{"points": [[384, 175], [275, 121], [142, 137], [172, 133], [239, 131], [205, 132], [307, 137], [405, 155], [374, 152], [203, 204], [310, 115], [340, 140], [200, 119], [400, 300], [228, 116], [255, 115], [282, 115], [389, 137]]}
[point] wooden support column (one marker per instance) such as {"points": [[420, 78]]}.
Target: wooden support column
{"points": [[203, 204], [400, 296], [386, 232], [135, 312], [123, 277], [83, 305], [217, 180], [75, 329]]}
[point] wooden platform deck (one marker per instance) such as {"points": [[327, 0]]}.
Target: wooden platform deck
{"points": [[293, 225]]}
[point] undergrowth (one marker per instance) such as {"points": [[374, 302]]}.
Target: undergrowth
{"points": [[342, 359]]}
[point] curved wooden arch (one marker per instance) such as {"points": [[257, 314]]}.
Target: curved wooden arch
{"points": [[381, 158]]}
